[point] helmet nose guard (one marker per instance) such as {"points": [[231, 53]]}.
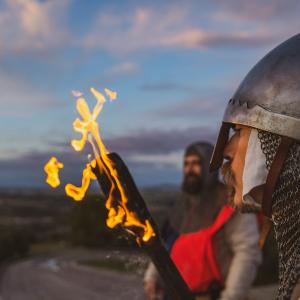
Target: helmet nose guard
{"points": [[217, 156]]}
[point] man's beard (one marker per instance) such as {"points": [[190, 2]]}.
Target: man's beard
{"points": [[192, 184], [229, 180]]}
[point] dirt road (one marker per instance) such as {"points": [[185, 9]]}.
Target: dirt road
{"points": [[57, 279], [61, 278]]}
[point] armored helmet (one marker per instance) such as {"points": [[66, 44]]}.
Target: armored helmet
{"points": [[267, 99]]}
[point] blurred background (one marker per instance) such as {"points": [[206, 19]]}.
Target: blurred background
{"points": [[174, 65]]}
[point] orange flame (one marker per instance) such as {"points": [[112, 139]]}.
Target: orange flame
{"points": [[52, 170], [77, 193], [111, 94], [88, 127]]}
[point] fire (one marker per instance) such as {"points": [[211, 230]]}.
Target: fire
{"points": [[52, 170], [78, 193], [87, 126], [111, 94]]}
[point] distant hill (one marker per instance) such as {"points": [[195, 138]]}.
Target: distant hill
{"points": [[160, 195], [46, 213], [43, 214]]}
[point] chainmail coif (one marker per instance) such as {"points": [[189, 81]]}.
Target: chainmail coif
{"points": [[285, 213]]}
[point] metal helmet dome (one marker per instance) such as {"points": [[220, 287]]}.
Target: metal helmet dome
{"points": [[269, 96]]}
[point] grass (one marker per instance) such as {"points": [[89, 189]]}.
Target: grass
{"points": [[46, 248]]}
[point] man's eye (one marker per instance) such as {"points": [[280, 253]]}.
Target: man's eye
{"points": [[193, 162], [235, 129]]}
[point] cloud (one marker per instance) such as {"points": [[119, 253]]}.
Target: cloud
{"points": [[145, 152], [256, 10], [33, 26], [167, 86], [152, 142], [19, 97], [28, 169], [159, 161], [122, 69], [194, 107], [203, 105], [200, 39], [170, 26], [276, 20], [28, 26]]}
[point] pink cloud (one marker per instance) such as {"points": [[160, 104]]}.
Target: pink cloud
{"points": [[32, 25], [175, 26], [255, 10]]}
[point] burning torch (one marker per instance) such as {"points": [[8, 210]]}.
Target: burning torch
{"points": [[125, 205]]}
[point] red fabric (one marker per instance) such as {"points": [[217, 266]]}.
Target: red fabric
{"points": [[194, 256]]}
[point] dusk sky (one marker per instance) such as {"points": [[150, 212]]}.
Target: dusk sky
{"points": [[174, 64]]}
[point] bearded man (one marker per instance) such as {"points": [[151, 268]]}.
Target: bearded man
{"points": [[263, 153], [215, 249]]}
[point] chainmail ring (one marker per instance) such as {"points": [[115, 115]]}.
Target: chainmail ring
{"points": [[285, 212]]}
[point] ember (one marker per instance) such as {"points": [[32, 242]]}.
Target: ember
{"points": [[78, 193]]}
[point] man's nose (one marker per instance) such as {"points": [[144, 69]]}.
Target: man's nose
{"points": [[229, 150], [188, 168]]}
